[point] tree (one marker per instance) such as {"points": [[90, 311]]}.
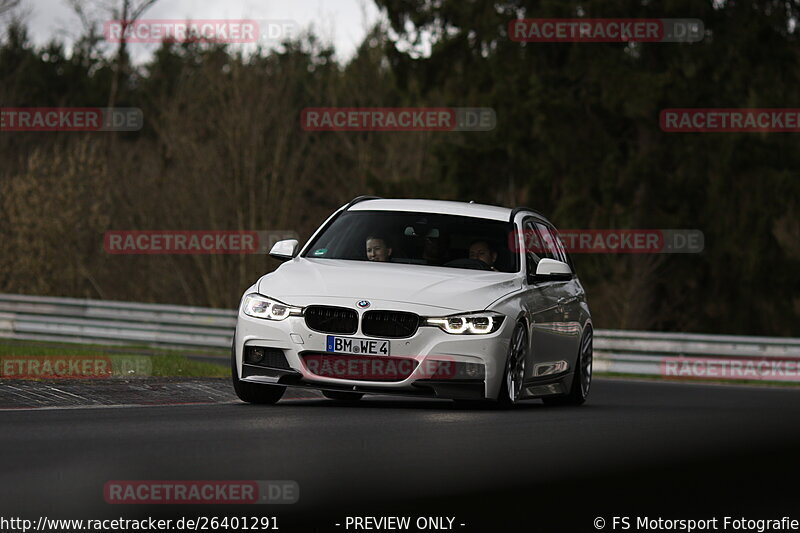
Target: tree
{"points": [[126, 12]]}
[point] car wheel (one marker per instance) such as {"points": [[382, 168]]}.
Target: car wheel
{"points": [[582, 379], [511, 387], [254, 392], [342, 396]]}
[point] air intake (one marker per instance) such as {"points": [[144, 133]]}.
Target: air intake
{"points": [[395, 324], [331, 319]]}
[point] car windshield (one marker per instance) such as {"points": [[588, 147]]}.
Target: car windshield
{"points": [[418, 239]]}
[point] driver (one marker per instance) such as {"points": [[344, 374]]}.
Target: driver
{"points": [[483, 251]]}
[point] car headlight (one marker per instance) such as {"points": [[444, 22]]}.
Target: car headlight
{"points": [[258, 306], [468, 324]]}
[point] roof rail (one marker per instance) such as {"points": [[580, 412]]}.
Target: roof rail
{"points": [[358, 199], [517, 210]]}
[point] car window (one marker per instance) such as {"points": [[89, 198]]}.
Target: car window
{"points": [[562, 252], [533, 247], [549, 243], [429, 239]]}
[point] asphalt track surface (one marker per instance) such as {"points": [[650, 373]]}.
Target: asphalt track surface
{"points": [[636, 448]]}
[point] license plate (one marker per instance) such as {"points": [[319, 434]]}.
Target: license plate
{"points": [[352, 345]]}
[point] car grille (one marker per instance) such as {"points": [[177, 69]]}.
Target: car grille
{"points": [[331, 319], [389, 324]]}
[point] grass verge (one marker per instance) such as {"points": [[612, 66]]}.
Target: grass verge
{"points": [[30, 359]]}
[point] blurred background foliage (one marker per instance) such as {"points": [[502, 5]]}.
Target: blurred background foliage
{"points": [[577, 138]]}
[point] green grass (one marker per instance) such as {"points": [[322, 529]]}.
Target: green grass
{"points": [[126, 361], [178, 365]]}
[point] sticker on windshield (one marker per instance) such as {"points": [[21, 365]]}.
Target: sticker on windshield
{"points": [[320, 251]]}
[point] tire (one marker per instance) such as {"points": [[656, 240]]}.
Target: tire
{"points": [[514, 373], [254, 392], [343, 396], [582, 377]]}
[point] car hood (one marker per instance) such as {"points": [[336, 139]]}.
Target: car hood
{"points": [[304, 281]]}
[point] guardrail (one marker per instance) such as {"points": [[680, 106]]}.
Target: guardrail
{"points": [[169, 326], [104, 322], [649, 353]]}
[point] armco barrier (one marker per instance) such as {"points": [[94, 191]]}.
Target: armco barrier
{"points": [[104, 322], [169, 326], [642, 352]]}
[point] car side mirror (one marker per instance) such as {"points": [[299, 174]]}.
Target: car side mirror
{"points": [[284, 250], [551, 270]]}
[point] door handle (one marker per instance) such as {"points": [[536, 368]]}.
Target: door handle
{"points": [[561, 302]]}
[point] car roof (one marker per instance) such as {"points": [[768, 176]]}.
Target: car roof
{"points": [[444, 207]]}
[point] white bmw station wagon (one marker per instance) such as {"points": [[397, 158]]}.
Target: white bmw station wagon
{"points": [[418, 297]]}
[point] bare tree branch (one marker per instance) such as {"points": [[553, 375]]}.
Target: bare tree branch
{"points": [[92, 13], [8, 5]]}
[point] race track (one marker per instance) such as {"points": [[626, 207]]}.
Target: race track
{"points": [[636, 447]]}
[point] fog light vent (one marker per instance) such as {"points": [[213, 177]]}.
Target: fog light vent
{"points": [[268, 357]]}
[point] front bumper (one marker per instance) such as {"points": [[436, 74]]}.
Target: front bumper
{"points": [[428, 347]]}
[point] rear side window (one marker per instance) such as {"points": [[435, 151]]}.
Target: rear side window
{"points": [[547, 242], [542, 242], [534, 251], [562, 252]]}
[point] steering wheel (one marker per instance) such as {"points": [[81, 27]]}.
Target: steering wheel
{"points": [[465, 262]]}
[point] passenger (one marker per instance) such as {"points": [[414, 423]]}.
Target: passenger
{"points": [[483, 251], [435, 250], [378, 248]]}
